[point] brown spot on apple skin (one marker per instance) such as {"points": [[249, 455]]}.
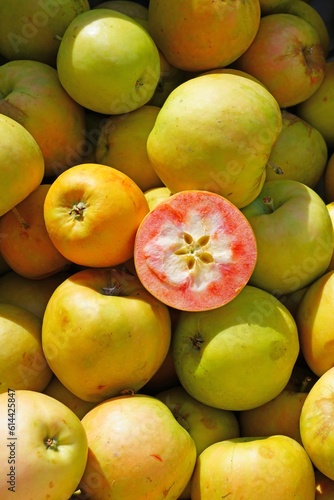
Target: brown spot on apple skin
{"points": [[157, 457], [51, 484]]}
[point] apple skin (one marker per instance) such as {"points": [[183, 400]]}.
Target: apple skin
{"points": [[155, 195], [300, 152], [314, 320], [238, 356], [33, 96], [274, 467], [294, 236], [302, 9], [50, 447], [318, 109], [128, 7], [287, 57], [98, 82], [25, 171], [330, 208], [329, 180], [32, 30], [316, 424]]}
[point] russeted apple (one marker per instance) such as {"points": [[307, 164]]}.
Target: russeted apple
{"points": [[215, 132], [194, 251]]}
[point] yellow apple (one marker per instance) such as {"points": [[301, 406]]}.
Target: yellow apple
{"points": [[155, 195]]}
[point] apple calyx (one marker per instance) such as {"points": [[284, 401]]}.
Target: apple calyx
{"points": [[78, 210], [51, 443], [197, 341], [23, 223]]}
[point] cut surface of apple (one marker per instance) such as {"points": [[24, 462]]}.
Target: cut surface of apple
{"points": [[195, 251]]}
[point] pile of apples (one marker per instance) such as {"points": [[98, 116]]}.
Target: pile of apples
{"points": [[166, 250]]}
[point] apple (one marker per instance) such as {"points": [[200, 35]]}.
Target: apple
{"points": [[194, 251], [33, 96], [107, 62], [23, 364], [294, 236], [302, 9], [205, 424], [314, 320], [274, 467], [201, 139], [122, 145], [155, 195], [316, 424], [31, 294], [128, 7], [318, 109], [204, 35], [4, 267], [57, 390], [287, 57], [25, 170], [124, 333], [238, 356], [137, 450], [300, 152], [330, 208], [43, 447], [32, 30]]}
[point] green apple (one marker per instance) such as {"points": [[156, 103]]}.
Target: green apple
{"points": [[33, 96], [202, 140], [32, 30], [318, 109], [25, 170], [43, 447], [238, 356], [300, 152], [108, 62], [294, 236]]}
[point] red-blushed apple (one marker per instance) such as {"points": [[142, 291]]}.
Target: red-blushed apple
{"points": [[294, 236], [99, 82], [137, 450], [302, 9], [287, 57], [300, 152], [318, 109], [316, 424], [32, 95], [124, 333], [194, 251], [274, 467], [43, 447], [238, 356], [23, 364], [314, 320], [122, 145], [33, 30], [25, 244], [25, 170], [202, 140], [28, 293], [203, 35]]}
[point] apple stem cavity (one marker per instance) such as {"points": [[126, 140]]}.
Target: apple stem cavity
{"points": [[78, 210], [51, 444], [197, 341], [19, 217]]}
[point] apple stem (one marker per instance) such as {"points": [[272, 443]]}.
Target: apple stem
{"points": [[19, 217], [269, 202], [304, 384], [275, 168]]}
